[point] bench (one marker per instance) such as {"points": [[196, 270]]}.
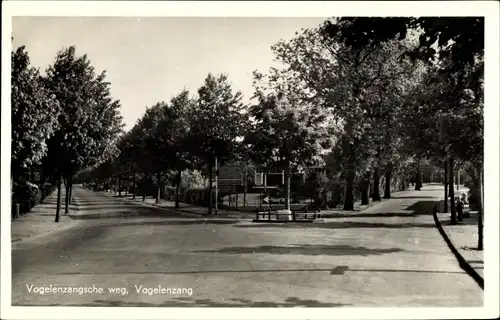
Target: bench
{"points": [[307, 215]]}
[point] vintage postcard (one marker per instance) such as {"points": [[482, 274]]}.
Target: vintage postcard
{"points": [[302, 160]]}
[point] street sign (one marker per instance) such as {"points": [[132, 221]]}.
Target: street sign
{"points": [[266, 200]]}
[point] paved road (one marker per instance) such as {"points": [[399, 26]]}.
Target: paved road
{"points": [[384, 256]]}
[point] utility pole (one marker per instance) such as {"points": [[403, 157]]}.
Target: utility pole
{"points": [[265, 182], [216, 186], [458, 179]]}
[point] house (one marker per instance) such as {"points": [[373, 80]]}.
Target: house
{"points": [[232, 175]]}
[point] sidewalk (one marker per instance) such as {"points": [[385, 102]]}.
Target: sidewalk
{"points": [[224, 213], [358, 208], [40, 220], [464, 238], [185, 208]]}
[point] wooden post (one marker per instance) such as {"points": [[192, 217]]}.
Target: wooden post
{"points": [[216, 187]]}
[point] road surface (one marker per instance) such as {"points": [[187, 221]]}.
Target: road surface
{"points": [[385, 256]]}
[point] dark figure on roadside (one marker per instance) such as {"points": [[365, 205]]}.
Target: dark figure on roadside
{"points": [[465, 202], [460, 208]]}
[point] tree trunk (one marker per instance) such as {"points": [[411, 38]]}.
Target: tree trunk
{"points": [[480, 245], [66, 197], [158, 191], [133, 186], [418, 177], [119, 186], [445, 185], [58, 206], [349, 198], [146, 178], [452, 193], [450, 186], [365, 188], [376, 185], [178, 187], [245, 184], [71, 191], [287, 190], [387, 185], [460, 213], [210, 186]]}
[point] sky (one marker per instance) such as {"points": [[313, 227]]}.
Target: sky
{"points": [[150, 59]]}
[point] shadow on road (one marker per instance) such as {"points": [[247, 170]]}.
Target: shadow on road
{"points": [[105, 212], [339, 225], [87, 202], [310, 250], [156, 272], [197, 303], [373, 215], [413, 197], [193, 221], [423, 207], [341, 270]]}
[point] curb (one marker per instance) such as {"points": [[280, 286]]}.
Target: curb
{"points": [[179, 211], [461, 261], [111, 215], [186, 212]]}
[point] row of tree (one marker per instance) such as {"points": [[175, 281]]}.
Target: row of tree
{"points": [[378, 96], [63, 121], [370, 98], [443, 114]]}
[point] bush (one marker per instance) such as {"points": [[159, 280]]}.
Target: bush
{"points": [[27, 195], [193, 180], [46, 189]]}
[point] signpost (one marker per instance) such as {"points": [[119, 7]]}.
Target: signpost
{"points": [[216, 187]]}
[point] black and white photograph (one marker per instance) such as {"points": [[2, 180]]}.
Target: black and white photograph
{"points": [[204, 160]]}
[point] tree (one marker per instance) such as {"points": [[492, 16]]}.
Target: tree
{"points": [[363, 88], [34, 115], [459, 40], [89, 122], [216, 124], [180, 112], [452, 44], [315, 187], [145, 133], [161, 143], [167, 141], [288, 130]]}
